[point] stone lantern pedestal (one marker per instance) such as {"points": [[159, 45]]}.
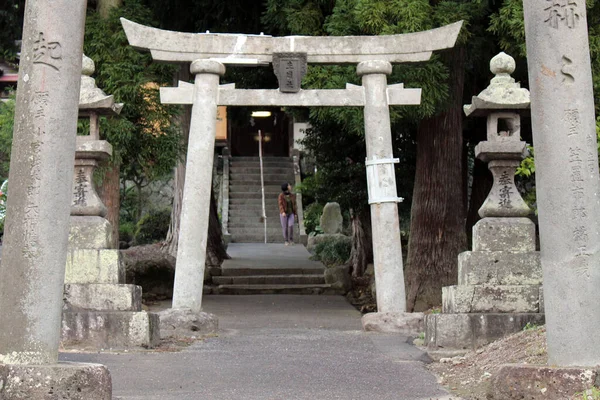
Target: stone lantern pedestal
{"points": [[99, 311], [499, 281]]}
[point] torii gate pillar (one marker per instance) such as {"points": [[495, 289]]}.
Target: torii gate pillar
{"points": [[381, 179], [193, 231]]}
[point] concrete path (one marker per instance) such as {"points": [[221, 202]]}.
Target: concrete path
{"points": [[277, 347]]}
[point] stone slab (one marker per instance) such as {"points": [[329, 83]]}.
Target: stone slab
{"points": [[110, 329], [515, 235], [499, 268], [491, 299], [186, 323], [65, 380], [94, 266], [533, 382], [410, 324], [89, 233], [102, 297], [470, 331]]}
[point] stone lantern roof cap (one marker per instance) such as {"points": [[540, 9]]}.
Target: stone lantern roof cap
{"points": [[503, 93], [91, 98]]}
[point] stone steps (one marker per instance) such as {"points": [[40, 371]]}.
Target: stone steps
{"points": [[270, 280], [274, 289], [266, 168], [272, 271]]}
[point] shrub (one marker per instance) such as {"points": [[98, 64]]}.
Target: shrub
{"points": [[334, 250], [312, 216], [153, 227], [126, 231]]}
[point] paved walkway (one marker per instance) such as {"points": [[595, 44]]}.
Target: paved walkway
{"points": [[276, 347]]}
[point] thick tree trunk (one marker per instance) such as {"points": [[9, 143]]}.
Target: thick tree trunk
{"points": [[184, 122], [437, 232], [362, 245], [109, 192], [103, 6], [482, 184]]}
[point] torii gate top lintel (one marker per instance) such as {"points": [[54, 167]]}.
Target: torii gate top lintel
{"points": [[241, 49]]}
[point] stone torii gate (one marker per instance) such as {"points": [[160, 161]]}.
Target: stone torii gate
{"points": [[208, 54]]}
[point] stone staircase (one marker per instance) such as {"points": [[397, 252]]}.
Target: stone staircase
{"points": [[258, 268], [245, 201]]}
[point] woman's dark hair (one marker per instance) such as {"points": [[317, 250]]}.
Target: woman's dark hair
{"points": [[284, 187]]}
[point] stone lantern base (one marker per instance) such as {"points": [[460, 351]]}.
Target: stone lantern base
{"points": [[99, 310], [499, 288]]}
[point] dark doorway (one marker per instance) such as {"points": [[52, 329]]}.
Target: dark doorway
{"points": [[245, 127]]}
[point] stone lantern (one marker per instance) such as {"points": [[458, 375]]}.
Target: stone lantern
{"points": [[100, 311], [499, 281]]}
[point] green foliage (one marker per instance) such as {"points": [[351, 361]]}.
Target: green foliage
{"points": [[126, 231], [146, 142], [591, 394], [7, 114], [312, 216], [11, 21], [333, 251], [530, 327], [153, 227]]}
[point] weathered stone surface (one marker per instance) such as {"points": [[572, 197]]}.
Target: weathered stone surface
{"points": [[89, 233], [490, 299], [541, 382], [339, 278], [499, 268], [567, 179], [516, 235], [331, 221], [389, 322], [504, 200], [187, 323], [110, 329], [469, 331], [73, 381], [259, 49], [94, 266], [41, 172], [102, 297], [316, 240]]}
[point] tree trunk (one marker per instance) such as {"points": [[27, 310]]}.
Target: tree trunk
{"points": [[482, 184], [109, 192], [215, 248], [437, 231], [362, 245], [103, 6], [184, 122]]}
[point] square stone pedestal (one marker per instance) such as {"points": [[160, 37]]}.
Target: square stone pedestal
{"points": [[99, 310], [71, 381], [499, 288]]}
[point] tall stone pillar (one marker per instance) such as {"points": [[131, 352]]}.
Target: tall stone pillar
{"points": [[381, 179], [34, 254], [37, 224], [567, 182], [193, 231]]}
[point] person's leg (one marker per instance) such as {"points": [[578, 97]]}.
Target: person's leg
{"points": [[290, 224], [283, 220]]}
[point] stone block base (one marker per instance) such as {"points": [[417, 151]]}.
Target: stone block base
{"points": [[102, 297], [94, 266], [89, 233], [499, 268], [491, 299], [470, 331], [515, 235], [540, 382], [110, 329], [71, 381], [410, 324], [186, 323]]}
